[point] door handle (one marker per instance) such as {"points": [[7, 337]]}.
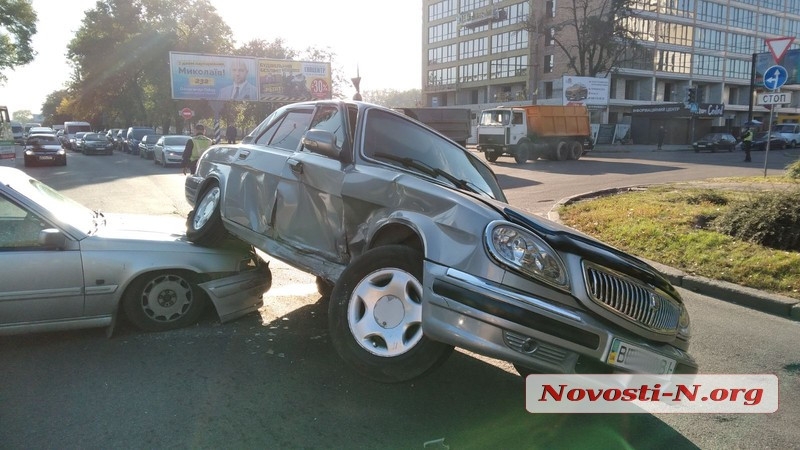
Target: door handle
{"points": [[297, 166]]}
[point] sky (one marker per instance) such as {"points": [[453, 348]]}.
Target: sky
{"points": [[379, 39]]}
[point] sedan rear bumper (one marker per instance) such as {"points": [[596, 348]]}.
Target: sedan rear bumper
{"points": [[240, 294]]}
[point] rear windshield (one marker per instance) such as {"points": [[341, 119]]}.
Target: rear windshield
{"points": [[176, 140], [137, 133]]}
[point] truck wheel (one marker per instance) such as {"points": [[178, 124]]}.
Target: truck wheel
{"points": [[575, 150], [375, 316], [562, 151], [522, 152], [204, 223], [490, 155]]}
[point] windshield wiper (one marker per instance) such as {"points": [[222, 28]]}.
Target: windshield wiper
{"points": [[98, 220], [431, 171]]}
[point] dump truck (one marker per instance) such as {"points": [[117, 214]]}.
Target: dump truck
{"points": [[454, 123], [536, 131]]}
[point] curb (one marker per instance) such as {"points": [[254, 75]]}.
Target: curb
{"points": [[769, 303]]}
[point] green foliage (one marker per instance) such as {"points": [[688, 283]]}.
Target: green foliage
{"points": [[17, 27], [676, 225], [769, 219], [23, 115], [793, 170], [394, 99]]}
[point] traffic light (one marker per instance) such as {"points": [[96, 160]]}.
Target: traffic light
{"points": [[691, 96]]}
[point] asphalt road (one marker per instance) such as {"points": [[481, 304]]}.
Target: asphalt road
{"points": [[272, 380]]}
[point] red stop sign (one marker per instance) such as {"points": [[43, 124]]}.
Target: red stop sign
{"points": [[187, 113]]}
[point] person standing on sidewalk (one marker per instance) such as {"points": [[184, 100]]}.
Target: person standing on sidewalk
{"points": [[195, 147], [747, 142], [661, 134]]}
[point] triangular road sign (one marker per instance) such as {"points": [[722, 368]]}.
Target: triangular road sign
{"points": [[778, 46]]}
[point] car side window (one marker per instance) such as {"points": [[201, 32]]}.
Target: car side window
{"points": [[328, 118], [287, 131], [19, 228]]}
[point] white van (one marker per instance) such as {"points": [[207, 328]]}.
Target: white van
{"points": [[70, 128], [790, 131]]}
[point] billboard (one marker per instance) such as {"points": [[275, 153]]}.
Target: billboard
{"points": [[589, 91], [790, 61], [196, 76]]}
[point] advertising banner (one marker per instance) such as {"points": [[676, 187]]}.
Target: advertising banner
{"points": [[196, 76], [790, 61], [293, 81], [588, 91]]}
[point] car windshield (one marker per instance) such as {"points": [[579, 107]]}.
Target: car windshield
{"points": [[42, 139], [489, 118], [403, 143], [784, 128], [138, 134], [63, 208], [151, 138], [176, 140]]}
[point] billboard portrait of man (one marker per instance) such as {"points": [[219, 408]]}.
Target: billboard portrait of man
{"points": [[241, 88]]}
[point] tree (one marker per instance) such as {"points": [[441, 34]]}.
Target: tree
{"points": [[594, 35], [23, 115], [50, 108], [17, 27]]}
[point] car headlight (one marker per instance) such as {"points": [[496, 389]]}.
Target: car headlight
{"points": [[684, 324], [527, 253]]}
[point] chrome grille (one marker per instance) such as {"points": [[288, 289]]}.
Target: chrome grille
{"points": [[631, 300]]}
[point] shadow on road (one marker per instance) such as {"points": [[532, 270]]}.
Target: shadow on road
{"points": [[279, 384]]}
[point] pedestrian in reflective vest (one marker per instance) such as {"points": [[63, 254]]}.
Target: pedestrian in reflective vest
{"points": [[747, 141], [195, 147]]}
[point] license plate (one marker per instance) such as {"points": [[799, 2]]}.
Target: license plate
{"points": [[46, 158], [638, 359]]}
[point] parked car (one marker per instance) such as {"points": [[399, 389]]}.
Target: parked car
{"points": [[43, 149], [776, 141], [75, 142], [93, 143], [790, 131], [424, 253], [146, 145], [714, 142], [132, 138], [65, 266], [169, 149]]}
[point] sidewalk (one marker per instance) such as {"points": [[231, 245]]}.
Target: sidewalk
{"points": [[775, 304]]}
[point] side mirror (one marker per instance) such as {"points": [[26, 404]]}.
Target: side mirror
{"points": [[322, 142], [53, 239]]}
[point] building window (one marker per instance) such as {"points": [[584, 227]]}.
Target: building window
{"points": [[675, 62], [513, 14], [548, 89], [511, 40], [711, 12], [740, 43], [440, 10], [550, 37], [469, 73], [710, 39], [630, 90], [738, 68], [474, 48], [550, 8], [770, 24], [678, 8], [441, 55], [708, 65], [514, 66], [441, 32], [549, 63], [469, 5], [741, 18]]}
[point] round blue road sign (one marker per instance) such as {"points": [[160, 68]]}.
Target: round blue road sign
{"points": [[775, 77]]}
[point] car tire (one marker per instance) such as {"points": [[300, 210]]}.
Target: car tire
{"points": [[490, 155], [204, 223], [164, 300], [375, 316]]}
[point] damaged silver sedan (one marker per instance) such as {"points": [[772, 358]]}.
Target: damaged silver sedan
{"points": [[424, 254], [64, 266]]}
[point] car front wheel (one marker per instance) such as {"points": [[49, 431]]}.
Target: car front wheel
{"points": [[163, 300], [375, 316], [204, 224]]}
